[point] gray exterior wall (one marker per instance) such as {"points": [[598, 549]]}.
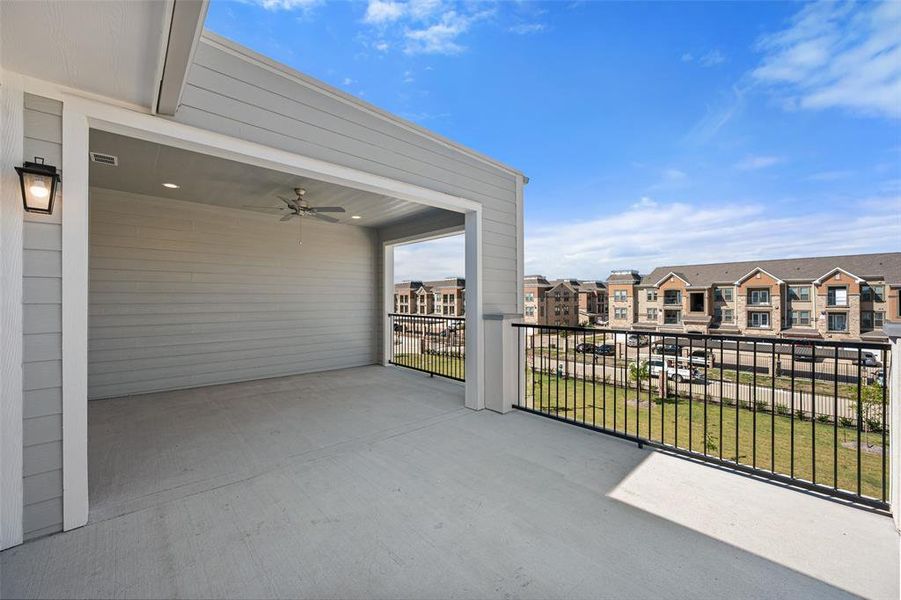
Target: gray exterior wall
{"points": [[42, 327], [184, 294], [229, 93]]}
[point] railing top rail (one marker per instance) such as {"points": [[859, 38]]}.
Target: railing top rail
{"points": [[799, 342], [435, 317]]}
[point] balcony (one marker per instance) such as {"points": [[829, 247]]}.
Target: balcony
{"points": [[376, 482]]}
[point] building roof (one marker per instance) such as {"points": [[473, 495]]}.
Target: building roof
{"points": [[631, 277], [885, 266]]}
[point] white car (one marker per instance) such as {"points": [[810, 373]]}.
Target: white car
{"points": [[675, 373]]}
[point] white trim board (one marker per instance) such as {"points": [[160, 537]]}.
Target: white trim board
{"points": [[12, 109], [79, 115]]}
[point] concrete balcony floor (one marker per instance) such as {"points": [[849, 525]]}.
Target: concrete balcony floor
{"points": [[374, 482]]}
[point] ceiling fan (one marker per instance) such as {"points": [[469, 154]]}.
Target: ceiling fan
{"points": [[299, 207]]}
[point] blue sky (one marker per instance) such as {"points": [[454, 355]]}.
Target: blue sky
{"points": [[652, 133]]}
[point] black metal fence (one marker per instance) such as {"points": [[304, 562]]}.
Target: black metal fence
{"points": [[811, 414], [429, 343]]}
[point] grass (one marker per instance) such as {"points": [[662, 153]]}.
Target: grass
{"points": [[674, 420], [448, 366]]}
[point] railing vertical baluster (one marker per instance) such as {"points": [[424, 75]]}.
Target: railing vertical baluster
{"points": [[859, 413], [615, 384], [625, 385], [813, 414], [557, 373], [885, 450], [835, 423], [691, 396], [566, 375], [721, 404], [584, 403], [773, 374], [594, 385], [676, 384], [737, 388], [753, 400], [650, 385], [791, 452], [706, 383], [604, 386]]}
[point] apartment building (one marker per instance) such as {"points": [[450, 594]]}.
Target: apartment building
{"points": [[834, 297], [443, 297], [564, 302]]}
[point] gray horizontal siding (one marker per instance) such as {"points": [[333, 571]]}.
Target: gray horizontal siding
{"points": [[234, 95], [184, 295], [42, 334]]}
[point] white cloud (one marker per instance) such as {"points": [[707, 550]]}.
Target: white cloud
{"points": [[645, 202], [687, 57], [672, 174], [408, 77], [830, 175], [347, 81], [526, 28], [837, 56], [643, 237], [379, 12], [712, 58], [382, 46], [441, 37], [434, 259], [289, 4], [753, 163]]}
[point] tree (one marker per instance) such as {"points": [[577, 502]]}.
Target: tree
{"points": [[869, 407], [638, 371]]}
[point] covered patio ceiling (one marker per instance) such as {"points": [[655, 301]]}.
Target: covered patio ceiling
{"points": [[144, 166]]}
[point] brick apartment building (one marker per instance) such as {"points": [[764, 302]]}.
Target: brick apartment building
{"points": [[441, 297], [567, 302], [835, 297]]}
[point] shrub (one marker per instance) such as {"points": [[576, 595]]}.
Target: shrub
{"points": [[761, 406], [801, 415], [824, 419], [782, 410], [874, 424], [846, 422]]}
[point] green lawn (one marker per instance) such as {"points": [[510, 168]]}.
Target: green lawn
{"points": [[681, 422], [448, 366]]}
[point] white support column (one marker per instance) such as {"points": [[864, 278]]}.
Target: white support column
{"points": [[893, 331], [501, 362], [75, 318], [387, 301], [11, 226], [475, 342]]}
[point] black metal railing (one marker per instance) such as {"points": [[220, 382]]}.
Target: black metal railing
{"points": [[432, 344], [813, 414]]}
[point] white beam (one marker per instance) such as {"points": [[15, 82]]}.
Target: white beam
{"points": [[893, 331], [74, 317], [475, 341], [11, 215], [185, 29], [387, 301]]}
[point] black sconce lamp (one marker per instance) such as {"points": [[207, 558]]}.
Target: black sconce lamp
{"points": [[38, 185]]}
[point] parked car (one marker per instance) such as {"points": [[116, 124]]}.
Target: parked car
{"points": [[605, 350], [879, 379], [868, 359], [805, 355], [585, 347], [672, 349], [678, 373], [635, 340], [700, 357]]}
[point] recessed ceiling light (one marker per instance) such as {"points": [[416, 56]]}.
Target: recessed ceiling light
{"points": [[171, 186], [356, 217]]}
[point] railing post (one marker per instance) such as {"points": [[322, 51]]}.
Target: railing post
{"points": [[501, 362], [893, 331]]}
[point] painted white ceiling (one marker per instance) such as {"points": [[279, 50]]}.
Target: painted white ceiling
{"points": [[144, 167], [109, 48]]}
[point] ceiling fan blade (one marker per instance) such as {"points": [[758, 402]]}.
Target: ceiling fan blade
{"points": [[324, 218], [325, 209], [288, 217]]}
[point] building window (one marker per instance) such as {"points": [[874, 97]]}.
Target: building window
{"points": [[871, 319], [530, 297], [723, 294], [696, 300], [672, 317], [619, 296], [757, 297], [759, 320], [872, 293], [799, 292], [799, 318], [837, 296], [837, 322], [724, 315], [672, 297], [619, 313], [651, 295], [530, 311], [652, 314]]}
